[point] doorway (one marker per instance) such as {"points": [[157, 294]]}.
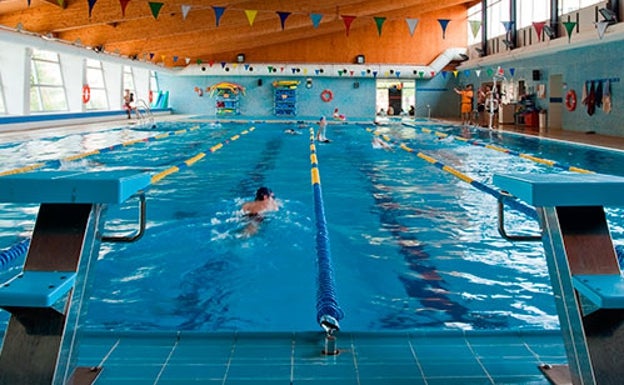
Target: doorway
{"points": [[400, 95]]}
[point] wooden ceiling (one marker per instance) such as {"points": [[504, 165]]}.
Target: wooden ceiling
{"points": [[138, 32]]}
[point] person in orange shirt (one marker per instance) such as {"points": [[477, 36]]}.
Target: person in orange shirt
{"points": [[466, 103]]}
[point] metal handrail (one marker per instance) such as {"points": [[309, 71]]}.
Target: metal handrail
{"points": [[501, 223], [138, 234]]}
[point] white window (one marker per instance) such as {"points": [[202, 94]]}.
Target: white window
{"points": [[530, 11], [128, 80], [567, 6], [47, 89], [497, 12], [97, 86]]}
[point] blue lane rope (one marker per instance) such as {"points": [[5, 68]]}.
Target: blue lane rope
{"points": [[328, 312], [12, 253]]}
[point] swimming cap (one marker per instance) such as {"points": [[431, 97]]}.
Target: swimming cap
{"points": [[262, 192]]}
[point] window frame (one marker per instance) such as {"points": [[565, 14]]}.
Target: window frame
{"points": [[35, 83]]}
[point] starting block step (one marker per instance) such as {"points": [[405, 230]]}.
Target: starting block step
{"points": [[36, 288], [604, 291]]}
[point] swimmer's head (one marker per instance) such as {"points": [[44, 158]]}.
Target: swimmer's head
{"points": [[263, 192]]}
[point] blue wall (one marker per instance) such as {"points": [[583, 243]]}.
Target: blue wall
{"points": [[600, 60], [356, 101]]}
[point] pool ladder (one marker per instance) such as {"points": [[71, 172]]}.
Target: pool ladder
{"points": [[144, 112]]}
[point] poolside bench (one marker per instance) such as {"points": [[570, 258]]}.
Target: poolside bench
{"points": [[46, 299], [583, 268]]}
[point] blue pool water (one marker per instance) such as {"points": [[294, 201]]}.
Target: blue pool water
{"points": [[413, 247]]}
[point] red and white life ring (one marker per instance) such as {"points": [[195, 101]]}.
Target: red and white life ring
{"points": [[327, 96], [86, 94], [570, 100]]}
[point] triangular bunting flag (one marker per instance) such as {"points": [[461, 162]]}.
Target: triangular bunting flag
{"points": [[151, 55], [602, 27], [316, 19], [490, 72], [433, 74], [283, 16], [351, 72], [475, 27], [362, 73], [91, 5], [270, 68], [444, 74], [218, 13], [124, 4], [374, 73], [347, 22], [443, 24], [187, 60], [500, 71], [539, 28], [185, 11], [281, 69], [398, 73], [251, 15], [512, 71], [455, 73], [246, 67], [223, 64], [199, 61], [422, 73], [175, 59], [569, 26], [411, 24], [379, 22], [478, 73], [155, 7], [467, 72], [508, 25], [162, 57]]}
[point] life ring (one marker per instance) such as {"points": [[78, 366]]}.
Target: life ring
{"points": [[327, 96], [86, 94], [570, 100], [150, 96]]}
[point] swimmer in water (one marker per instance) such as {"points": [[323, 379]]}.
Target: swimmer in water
{"points": [[263, 202]]}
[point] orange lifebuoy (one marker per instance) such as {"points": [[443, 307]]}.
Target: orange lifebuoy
{"points": [[570, 100], [327, 96], [86, 94], [150, 96]]}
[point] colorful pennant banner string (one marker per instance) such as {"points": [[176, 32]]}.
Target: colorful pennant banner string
{"points": [[347, 22], [283, 16], [155, 8], [539, 28], [443, 25], [379, 21], [411, 24], [185, 11], [316, 19], [251, 15], [124, 4], [569, 26], [475, 27], [218, 11]]}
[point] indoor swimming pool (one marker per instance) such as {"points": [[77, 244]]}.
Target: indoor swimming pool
{"points": [[413, 246]]}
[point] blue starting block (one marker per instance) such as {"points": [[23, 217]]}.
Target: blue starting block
{"points": [[46, 299], [583, 268], [36, 288], [72, 186]]}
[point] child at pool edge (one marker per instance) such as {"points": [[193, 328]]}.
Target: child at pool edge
{"points": [[263, 202], [320, 135]]}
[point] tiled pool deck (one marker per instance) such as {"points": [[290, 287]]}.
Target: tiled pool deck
{"points": [[428, 358]]}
